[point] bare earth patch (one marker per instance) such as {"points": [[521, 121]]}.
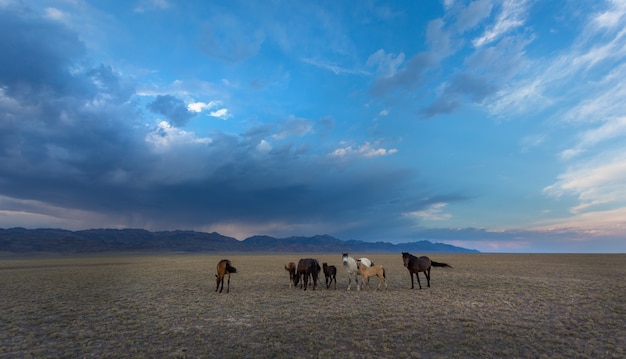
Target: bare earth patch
{"points": [[489, 305]]}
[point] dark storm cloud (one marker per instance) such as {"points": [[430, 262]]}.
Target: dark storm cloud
{"points": [[73, 139], [63, 124], [174, 109], [37, 55]]}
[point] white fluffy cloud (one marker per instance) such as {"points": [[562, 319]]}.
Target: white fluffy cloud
{"points": [[214, 107], [366, 150]]}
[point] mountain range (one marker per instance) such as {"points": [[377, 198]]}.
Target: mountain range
{"points": [[28, 241]]}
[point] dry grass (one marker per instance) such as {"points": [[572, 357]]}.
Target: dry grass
{"points": [[489, 305]]}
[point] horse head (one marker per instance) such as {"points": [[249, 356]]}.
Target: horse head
{"points": [[405, 259], [344, 259]]}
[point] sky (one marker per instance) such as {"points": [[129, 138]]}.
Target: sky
{"points": [[492, 125]]}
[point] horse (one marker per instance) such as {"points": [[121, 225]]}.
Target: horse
{"points": [[330, 272], [224, 268], [291, 268], [350, 264], [420, 264], [307, 267], [367, 272]]}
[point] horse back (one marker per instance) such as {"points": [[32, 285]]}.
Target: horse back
{"points": [[308, 265], [419, 264], [224, 267], [366, 261]]}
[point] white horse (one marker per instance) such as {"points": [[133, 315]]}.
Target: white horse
{"points": [[351, 267]]}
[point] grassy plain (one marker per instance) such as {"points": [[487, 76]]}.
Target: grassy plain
{"points": [[489, 305]]}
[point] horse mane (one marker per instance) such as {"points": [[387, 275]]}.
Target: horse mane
{"points": [[409, 255]]}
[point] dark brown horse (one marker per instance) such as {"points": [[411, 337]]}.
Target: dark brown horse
{"points": [[224, 268], [330, 272], [420, 264], [307, 267], [291, 268]]}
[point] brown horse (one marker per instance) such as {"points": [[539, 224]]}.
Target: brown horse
{"points": [[308, 267], [420, 264], [291, 268], [224, 268], [374, 270], [330, 272]]}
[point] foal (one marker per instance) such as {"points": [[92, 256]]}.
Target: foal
{"points": [[375, 270], [331, 274], [291, 268], [224, 268]]}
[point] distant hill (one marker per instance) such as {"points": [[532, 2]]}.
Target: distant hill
{"points": [[29, 241]]}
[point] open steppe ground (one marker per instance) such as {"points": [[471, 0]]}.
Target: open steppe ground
{"points": [[488, 305]]}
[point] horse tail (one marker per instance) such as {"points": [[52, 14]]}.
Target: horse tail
{"points": [[437, 264], [384, 272], [230, 269]]}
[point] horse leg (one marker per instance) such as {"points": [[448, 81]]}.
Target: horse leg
{"points": [[228, 287], [217, 282], [417, 274], [427, 273], [335, 278], [382, 280], [412, 285]]}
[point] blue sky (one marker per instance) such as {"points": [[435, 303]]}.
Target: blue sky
{"points": [[494, 125]]}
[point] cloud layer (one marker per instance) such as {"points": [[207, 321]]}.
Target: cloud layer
{"points": [[307, 119]]}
